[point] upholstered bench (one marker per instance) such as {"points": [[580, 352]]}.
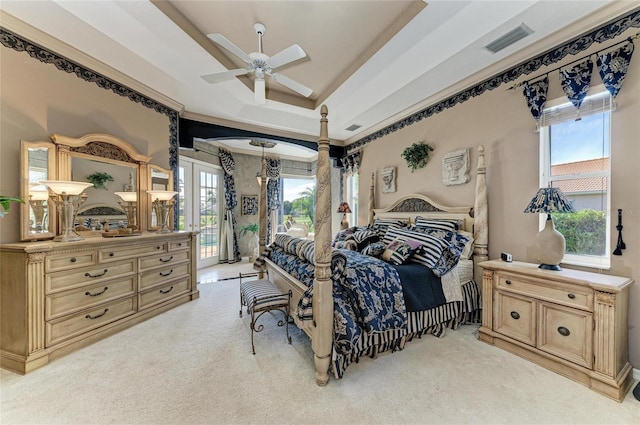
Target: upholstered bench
{"points": [[262, 296]]}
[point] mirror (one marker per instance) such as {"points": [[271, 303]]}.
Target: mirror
{"points": [[36, 217], [159, 179]]}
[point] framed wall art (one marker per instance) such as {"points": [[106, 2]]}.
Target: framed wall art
{"points": [[249, 204], [388, 180]]}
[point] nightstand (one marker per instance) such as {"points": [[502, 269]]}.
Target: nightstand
{"points": [[568, 321]]}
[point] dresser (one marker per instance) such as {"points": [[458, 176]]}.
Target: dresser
{"points": [[58, 297], [569, 321]]}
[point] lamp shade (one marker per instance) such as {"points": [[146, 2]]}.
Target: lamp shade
{"points": [[161, 195], [549, 200], [127, 196], [344, 208], [38, 193], [66, 187]]}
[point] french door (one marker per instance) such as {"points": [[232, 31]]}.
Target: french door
{"points": [[200, 197]]}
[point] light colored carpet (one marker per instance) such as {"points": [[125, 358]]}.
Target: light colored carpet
{"points": [[193, 365]]}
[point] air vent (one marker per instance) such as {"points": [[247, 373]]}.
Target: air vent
{"points": [[509, 38], [353, 127]]}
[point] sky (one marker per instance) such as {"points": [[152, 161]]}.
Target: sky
{"points": [[293, 187], [579, 140]]}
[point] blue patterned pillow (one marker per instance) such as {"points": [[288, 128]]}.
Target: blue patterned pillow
{"points": [[430, 251], [365, 237], [349, 244], [437, 223], [398, 252], [374, 250]]}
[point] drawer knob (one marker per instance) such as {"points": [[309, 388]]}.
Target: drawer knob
{"points": [[88, 316], [87, 274], [111, 254], [158, 247], [73, 259], [508, 282], [572, 296], [515, 315], [166, 274], [167, 291], [563, 331], [166, 261], [97, 293]]}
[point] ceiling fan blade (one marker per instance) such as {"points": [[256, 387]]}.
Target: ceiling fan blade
{"points": [[293, 85], [288, 55], [224, 42], [224, 75]]}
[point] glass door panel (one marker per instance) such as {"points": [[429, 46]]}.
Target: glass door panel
{"points": [[209, 213]]}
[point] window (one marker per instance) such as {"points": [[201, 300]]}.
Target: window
{"points": [[575, 157], [351, 186], [298, 195]]}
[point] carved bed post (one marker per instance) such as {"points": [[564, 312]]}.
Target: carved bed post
{"points": [[481, 225], [323, 286], [372, 198], [262, 211]]}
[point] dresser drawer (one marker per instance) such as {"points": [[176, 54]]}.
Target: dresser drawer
{"points": [[59, 262], [56, 282], [162, 260], [566, 333], [66, 302], [163, 293], [162, 275], [117, 254], [515, 316], [69, 326], [569, 295], [178, 245]]}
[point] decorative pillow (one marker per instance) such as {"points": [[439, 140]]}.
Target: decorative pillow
{"points": [[451, 254], [441, 224], [399, 251], [467, 252], [348, 244], [364, 237], [344, 235], [430, 251], [374, 249], [381, 225], [305, 250]]}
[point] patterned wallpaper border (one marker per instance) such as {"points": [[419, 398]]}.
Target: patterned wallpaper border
{"points": [[578, 44], [19, 44]]}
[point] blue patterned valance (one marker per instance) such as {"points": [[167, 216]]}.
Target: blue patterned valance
{"points": [[536, 96], [227, 162], [613, 67], [576, 81], [273, 168], [351, 163]]}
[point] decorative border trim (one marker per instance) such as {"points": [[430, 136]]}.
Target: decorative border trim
{"points": [[578, 44], [19, 44]]}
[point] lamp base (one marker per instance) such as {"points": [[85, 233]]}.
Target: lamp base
{"points": [[344, 224], [554, 267]]}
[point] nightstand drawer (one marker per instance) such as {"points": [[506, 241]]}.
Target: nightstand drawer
{"points": [[569, 295], [566, 333], [515, 317]]}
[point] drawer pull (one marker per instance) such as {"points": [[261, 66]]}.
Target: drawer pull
{"points": [[158, 247], [563, 331], [166, 261], [166, 274], [508, 282], [88, 316], [97, 293], [167, 291], [87, 274], [515, 315], [111, 254], [572, 296], [73, 259]]}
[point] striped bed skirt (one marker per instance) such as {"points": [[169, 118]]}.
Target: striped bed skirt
{"points": [[434, 321]]}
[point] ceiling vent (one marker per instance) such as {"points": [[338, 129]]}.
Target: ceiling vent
{"points": [[509, 38], [353, 127]]}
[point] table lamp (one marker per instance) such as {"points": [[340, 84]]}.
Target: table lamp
{"points": [[68, 200], [344, 209], [162, 201], [129, 203]]}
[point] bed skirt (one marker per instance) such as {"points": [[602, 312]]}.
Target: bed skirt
{"points": [[433, 321]]}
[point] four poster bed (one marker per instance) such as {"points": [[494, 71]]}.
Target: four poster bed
{"points": [[352, 304]]}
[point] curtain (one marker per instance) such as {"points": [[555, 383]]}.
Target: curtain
{"points": [[273, 192], [575, 81], [229, 249], [351, 163], [613, 67], [536, 96]]}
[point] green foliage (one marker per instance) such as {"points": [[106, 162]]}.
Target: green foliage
{"points": [[417, 155], [252, 227], [584, 232], [5, 203], [305, 205], [99, 180], [287, 206]]}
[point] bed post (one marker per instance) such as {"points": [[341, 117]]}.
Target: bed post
{"points": [[322, 285], [372, 198], [262, 212], [481, 225]]}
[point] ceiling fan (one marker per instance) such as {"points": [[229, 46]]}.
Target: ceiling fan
{"points": [[260, 65]]}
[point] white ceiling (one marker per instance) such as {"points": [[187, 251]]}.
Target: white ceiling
{"points": [[370, 62]]}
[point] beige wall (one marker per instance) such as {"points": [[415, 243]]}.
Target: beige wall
{"points": [[37, 100], [500, 120]]}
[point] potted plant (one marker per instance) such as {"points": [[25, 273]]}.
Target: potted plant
{"points": [[254, 244], [5, 203], [99, 180], [417, 155]]}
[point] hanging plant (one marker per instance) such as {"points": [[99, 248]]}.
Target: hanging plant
{"points": [[99, 180], [5, 203], [417, 155]]}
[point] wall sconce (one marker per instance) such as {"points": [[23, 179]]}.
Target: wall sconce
{"points": [[37, 197], [344, 209], [129, 203], [162, 201], [69, 198]]}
